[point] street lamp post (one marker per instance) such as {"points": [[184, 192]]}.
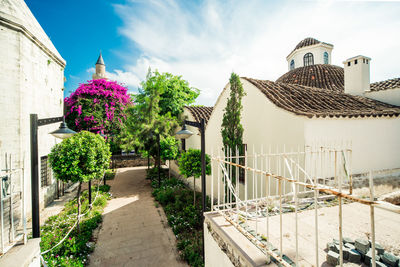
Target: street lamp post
{"points": [[184, 134], [62, 133]]}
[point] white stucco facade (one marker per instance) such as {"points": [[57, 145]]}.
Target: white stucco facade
{"points": [[391, 96], [374, 140], [317, 51], [32, 81]]}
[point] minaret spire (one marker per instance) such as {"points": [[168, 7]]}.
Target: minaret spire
{"points": [[100, 69]]}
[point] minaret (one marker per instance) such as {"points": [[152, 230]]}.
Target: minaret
{"points": [[100, 69]]}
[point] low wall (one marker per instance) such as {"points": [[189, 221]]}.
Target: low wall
{"points": [[27, 255], [224, 245], [123, 161]]}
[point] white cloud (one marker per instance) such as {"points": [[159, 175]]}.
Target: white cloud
{"points": [[206, 42]]}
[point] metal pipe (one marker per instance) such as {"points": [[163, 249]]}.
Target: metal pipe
{"points": [[203, 175], [12, 233], [340, 215], [280, 218], [212, 183], [372, 211], [159, 160], [2, 215], [316, 214], [219, 178], [90, 192], [35, 176]]}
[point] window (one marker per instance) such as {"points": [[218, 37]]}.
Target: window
{"points": [[326, 58], [308, 59], [355, 61], [348, 63], [45, 172], [292, 65]]}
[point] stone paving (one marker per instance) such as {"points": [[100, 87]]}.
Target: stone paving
{"points": [[134, 231]]}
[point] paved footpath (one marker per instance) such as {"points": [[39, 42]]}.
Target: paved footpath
{"points": [[134, 232]]}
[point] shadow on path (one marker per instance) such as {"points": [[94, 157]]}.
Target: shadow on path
{"points": [[134, 232]]}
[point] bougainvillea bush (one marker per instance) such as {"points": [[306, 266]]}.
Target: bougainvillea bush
{"points": [[98, 106]]}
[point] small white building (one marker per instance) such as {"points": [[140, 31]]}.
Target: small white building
{"points": [[317, 102], [32, 81]]}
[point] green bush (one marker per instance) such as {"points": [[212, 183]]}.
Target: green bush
{"points": [[81, 158], [110, 174], [183, 217], [76, 247], [190, 163]]}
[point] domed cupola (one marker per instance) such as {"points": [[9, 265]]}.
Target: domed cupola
{"points": [[323, 76], [309, 52]]}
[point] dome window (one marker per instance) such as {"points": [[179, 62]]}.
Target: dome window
{"points": [[292, 65], [326, 58], [308, 59]]}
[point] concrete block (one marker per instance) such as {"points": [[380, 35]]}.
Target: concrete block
{"points": [[349, 246], [362, 245], [354, 256], [330, 246], [332, 258], [368, 257], [336, 248], [345, 253], [380, 264], [379, 249], [390, 259], [348, 240]]}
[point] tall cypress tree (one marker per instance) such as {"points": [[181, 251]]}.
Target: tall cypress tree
{"points": [[231, 128]]}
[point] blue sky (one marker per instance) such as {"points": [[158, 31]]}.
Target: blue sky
{"points": [[204, 41]]}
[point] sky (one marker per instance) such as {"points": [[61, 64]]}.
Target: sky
{"points": [[205, 41]]}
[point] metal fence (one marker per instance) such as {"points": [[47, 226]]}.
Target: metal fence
{"points": [[12, 208], [275, 180]]}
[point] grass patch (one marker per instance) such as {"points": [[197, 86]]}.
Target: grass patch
{"points": [[184, 218], [77, 246]]}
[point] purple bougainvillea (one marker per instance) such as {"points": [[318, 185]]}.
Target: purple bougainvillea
{"points": [[97, 106]]}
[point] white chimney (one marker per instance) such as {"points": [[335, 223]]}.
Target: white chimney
{"points": [[356, 75]]}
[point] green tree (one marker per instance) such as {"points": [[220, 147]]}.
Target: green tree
{"points": [[231, 128], [175, 93], [169, 150], [157, 110], [190, 166], [81, 158]]}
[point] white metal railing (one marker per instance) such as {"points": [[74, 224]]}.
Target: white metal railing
{"points": [[278, 177]]}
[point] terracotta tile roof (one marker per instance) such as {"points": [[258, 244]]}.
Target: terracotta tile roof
{"points": [[320, 75], [309, 41], [385, 85], [310, 102], [200, 112]]}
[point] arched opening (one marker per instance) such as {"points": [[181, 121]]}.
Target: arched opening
{"points": [[308, 59], [292, 65], [326, 58]]}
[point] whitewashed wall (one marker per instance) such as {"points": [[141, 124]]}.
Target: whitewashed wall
{"points": [[316, 50], [375, 141], [31, 81], [391, 96]]}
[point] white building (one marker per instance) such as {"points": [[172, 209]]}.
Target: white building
{"points": [[316, 102], [32, 81]]}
